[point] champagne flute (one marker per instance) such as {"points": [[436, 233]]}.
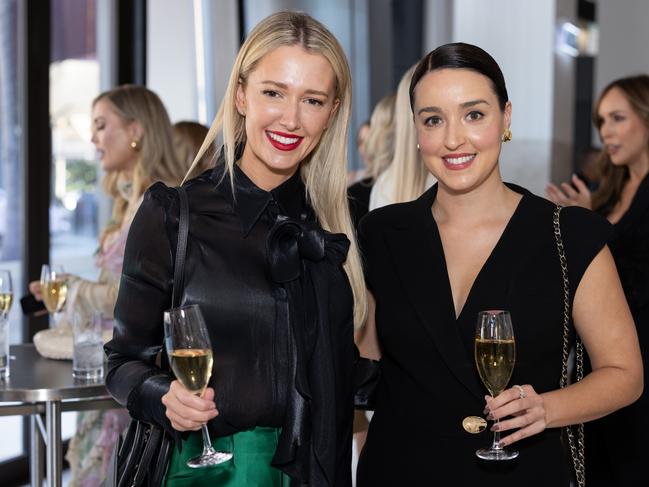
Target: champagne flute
{"points": [[190, 355], [6, 299], [54, 288], [495, 354], [6, 294]]}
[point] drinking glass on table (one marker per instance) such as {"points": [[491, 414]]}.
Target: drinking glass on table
{"points": [[87, 347], [54, 288], [190, 356], [6, 299], [495, 354]]}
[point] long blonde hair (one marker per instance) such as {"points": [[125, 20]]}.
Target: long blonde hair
{"points": [[379, 144], [324, 172], [408, 170], [156, 160]]}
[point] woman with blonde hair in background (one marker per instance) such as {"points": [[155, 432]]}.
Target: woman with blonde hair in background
{"points": [[378, 152], [616, 446], [406, 177], [132, 134], [272, 263]]}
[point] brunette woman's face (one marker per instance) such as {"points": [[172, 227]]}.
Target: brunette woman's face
{"points": [[623, 132], [288, 102], [112, 138], [459, 127]]}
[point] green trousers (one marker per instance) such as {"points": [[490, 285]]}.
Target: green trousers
{"points": [[249, 467]]}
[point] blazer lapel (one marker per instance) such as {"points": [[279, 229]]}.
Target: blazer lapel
{"points": [[422, 270]]}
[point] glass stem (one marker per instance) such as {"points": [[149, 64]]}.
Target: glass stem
{"points": [[207, 443], [496, 443]]}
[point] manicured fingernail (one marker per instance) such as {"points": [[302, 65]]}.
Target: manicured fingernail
{"points": [[501, 444], [486, 410], [490, 417], [495, 427]]}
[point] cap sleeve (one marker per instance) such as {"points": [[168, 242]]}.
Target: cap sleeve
{"points": [[584, 235]]}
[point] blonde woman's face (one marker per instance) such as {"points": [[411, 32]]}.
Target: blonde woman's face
{"points": [[624, 134], [459, 127], [112, 138], [288, 102]]}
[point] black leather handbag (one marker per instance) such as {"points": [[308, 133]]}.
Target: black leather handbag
{"points": [[142, 453]]}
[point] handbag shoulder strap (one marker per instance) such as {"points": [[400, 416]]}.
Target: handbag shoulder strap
{"points": [[181, 248], [576, 447]]}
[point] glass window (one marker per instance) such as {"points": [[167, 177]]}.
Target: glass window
{"points": [[74, 83], [11, 178]]}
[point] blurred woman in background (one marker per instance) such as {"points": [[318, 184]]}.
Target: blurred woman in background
{"points": [[378, 152], [406, 177], [132, 134], [616, 445]]}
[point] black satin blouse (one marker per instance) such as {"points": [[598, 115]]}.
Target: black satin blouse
{"points": [[280, 322], [227, 275]]}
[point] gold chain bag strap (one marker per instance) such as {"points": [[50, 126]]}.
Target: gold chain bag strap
{"points": [[576, 446]]}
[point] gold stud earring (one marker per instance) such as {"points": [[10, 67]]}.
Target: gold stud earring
{"points": [[507, 135], [134, 145], [418, 147]]}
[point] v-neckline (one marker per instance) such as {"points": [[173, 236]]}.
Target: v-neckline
{"points": [[499, 243]]}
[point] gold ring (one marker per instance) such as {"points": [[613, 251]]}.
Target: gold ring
{"points": [[521, 392]]}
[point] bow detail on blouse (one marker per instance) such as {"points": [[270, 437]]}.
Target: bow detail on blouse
{"points": [[302, 259], [290, 241]]}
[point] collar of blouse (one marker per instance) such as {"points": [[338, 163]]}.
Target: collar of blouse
{"points": [[250, 202]]}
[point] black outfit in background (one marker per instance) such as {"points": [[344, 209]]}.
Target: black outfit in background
{"points": [[616, 445], [429, 382], [359, 199], [278, 308]]}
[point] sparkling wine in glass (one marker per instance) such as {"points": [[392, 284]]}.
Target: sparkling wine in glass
{"points": [[190, 355], [6, 299], [495, 355], [54, 288], [6, 294]]}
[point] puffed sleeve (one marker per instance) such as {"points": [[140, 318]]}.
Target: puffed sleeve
{"points": [[134, 379], [584, 234]]}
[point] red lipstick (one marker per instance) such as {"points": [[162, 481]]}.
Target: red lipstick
{"points": [[283, 141]]}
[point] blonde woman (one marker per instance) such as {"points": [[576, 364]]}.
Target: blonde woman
{"points": [[406, 177], [377, 150], [279, 283], [132, 134]]}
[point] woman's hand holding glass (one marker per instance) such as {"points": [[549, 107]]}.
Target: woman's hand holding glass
{"points": [[186, 410], [519, 408], [52, 289], [190, 356]]}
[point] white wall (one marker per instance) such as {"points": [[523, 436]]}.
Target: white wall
{"points": [[623, 40], [190, 81], [520, 37], [171, 56], [438, 24]]}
